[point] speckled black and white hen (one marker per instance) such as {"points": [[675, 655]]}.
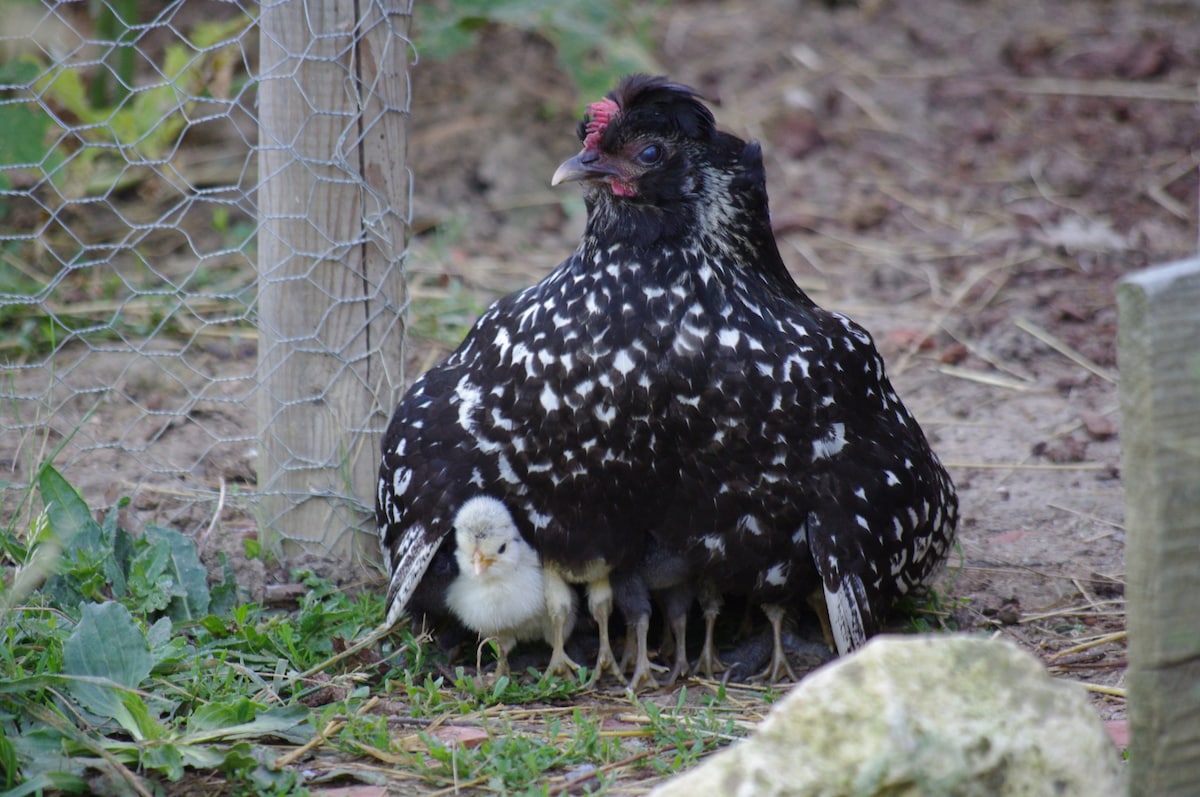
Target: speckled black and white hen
{"points": [[670, 381]]}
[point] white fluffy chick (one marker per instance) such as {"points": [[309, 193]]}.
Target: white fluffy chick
{"points": [[499, 591]]}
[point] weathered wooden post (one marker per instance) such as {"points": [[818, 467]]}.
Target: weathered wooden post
{"points": [[1159, 358], [333, 199]]}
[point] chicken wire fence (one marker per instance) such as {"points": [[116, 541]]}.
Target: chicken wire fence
{"points": [[203, 217]]}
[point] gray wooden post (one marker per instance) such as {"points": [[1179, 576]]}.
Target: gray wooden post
{"points": [[1159, 358], [333, 201]]}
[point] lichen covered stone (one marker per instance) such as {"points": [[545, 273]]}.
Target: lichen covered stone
{"points": [[920, 717]]}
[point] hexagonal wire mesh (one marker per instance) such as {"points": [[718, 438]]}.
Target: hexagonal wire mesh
{"points": [[203, 219]]}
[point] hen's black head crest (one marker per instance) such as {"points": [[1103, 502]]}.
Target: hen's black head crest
{"points": [[644, 101]]}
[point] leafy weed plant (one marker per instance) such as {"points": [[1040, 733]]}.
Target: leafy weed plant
{"points": [[122, 662]]}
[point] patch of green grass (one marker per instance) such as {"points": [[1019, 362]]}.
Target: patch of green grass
{"points": [[931, 611], [124, 308], [513, 761], [688, 733], [444, 316]]}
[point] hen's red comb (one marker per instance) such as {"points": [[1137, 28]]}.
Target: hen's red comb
{"points": [[599, 113]]}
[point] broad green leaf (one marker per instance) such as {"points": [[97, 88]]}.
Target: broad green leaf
{"points": [[86, 568], [68, 513], [54, 783], [284, 722], [191, 598], [165, 758], [46, 762], [201, 756], [122, 548], [109, 651], [208, 34], [10, 769], [217, 716], [137, 718], [23, 135], [159, 634], [21, 70], [107, 643], [166, 648], [223, 597]]}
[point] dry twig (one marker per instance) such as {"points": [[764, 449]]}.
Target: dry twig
{"points": [[1025, 325], [1119, 636]]}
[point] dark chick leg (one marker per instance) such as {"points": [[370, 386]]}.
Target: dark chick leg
{"points": [[642, 676], [710, 602], [627, 650], [676, 602], [779, 665], [633, 599]]}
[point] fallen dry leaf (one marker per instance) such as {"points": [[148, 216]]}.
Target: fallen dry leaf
{"points": [[351, 791], [465, 736], [1098, 427]]}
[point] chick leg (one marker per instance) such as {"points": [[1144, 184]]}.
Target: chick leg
{"points": [[627, 648], [779, 665], [817, 601], [642, 676], [504, 643], [676, 602], [710, 603], [560, 605], [666, 646], [632, 597], [600, 603], [502, 662]]}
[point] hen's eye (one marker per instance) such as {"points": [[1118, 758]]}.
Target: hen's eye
{"points": [[650, 155], [501, 549]]}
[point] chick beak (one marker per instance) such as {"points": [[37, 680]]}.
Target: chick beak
{"points": [[587, 165], [480, 561]]}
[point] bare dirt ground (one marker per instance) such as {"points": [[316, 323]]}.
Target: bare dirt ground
{"points": [[968, 180]]}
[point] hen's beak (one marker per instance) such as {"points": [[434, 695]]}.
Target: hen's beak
{"points": [[480, 561], [587, 165]]}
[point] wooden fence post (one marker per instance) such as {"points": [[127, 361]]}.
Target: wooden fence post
{"points": [[1159, 359], [333, 199]]}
